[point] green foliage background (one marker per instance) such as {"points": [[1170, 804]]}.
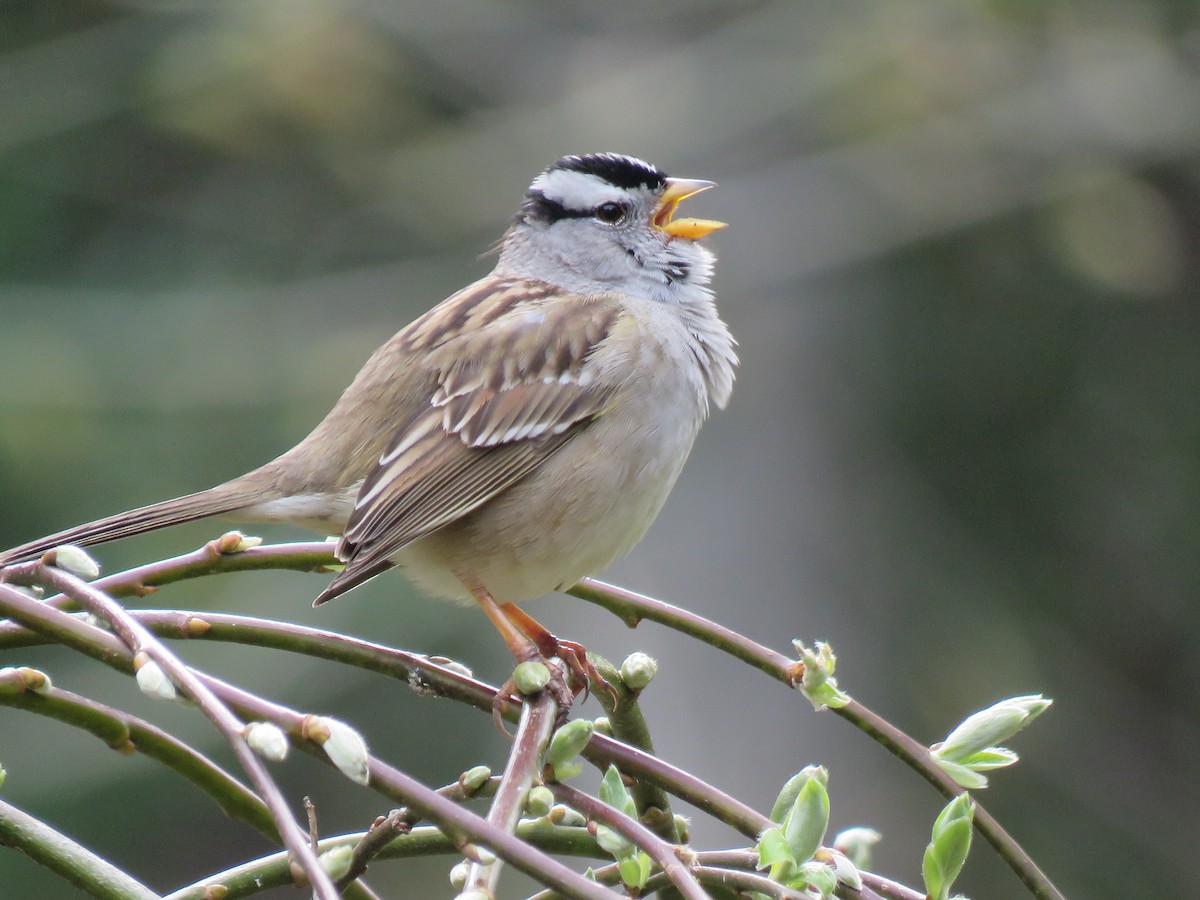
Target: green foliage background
{"points": [[964, 446]]}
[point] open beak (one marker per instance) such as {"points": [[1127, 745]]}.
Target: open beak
{"points": [[678, 190]]}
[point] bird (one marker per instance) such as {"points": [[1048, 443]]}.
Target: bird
{"points": [[524, 432]]}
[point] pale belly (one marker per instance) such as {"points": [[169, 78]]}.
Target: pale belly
{"points": [[585, 507]]}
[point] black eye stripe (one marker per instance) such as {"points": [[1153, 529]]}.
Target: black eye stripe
{"points": [[540, 207]]}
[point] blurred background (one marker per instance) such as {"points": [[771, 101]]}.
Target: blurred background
{"points": [[964, 446]]}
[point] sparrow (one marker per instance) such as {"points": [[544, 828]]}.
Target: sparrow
{"points": [[524, 432]]}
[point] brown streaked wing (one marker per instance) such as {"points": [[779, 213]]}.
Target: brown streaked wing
{"points": [[511, 392]]}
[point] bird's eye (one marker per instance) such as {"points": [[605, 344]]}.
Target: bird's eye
{"points": [[611, 212]]}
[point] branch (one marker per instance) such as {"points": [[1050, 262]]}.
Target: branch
{"points": [[140, 641], [629, 726], [632, 608], [105, 647], [126, 733], [538, 715], [63, 856], [663, 853], [271, 871], [401, 822]]}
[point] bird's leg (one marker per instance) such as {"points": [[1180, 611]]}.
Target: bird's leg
{"points": [[570, 652], [524, 647]]}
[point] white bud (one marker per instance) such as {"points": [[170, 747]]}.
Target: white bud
{"points": [[268, 740], [346, 749], [846, 872], [75, 560], [990, 726], [458, 874], [638, 670], [154, 681], [856, 844]]}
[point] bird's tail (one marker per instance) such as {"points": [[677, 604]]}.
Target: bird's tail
{"points": [[213, 502]]}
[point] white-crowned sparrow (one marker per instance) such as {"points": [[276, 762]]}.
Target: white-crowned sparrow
{"points": [[524, 432]]}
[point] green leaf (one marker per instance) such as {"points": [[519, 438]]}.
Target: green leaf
{"points": [[635, 870], [773, 848], [936, 887], [615, 794], [817, 876], [989, 759], [947, 851], [963, 776], [787, 797], [808, 820], [614, 843], [817, 683], [566, 744]]}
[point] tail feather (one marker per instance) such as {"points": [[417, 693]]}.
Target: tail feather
{"points": [[351, 577], [188, 508]]}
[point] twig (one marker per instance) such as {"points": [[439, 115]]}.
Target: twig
{"points": [[271, 871], [400, 822], [104, 646], [139, 640], [632, 608], [126, 733], [538, 715], [663, 853], [66, 858], [629, 726]]}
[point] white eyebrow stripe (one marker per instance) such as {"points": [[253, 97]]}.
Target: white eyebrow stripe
{"points": [[576, 190]]}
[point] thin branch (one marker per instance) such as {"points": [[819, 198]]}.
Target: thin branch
{"points": [[632, 608], [76, 633], [538, 715], [106, 647], [139, 640], [211, 559], [679, 875], [126, 734], [66, 858], [271, 871], [402, 821], [629, 726]]}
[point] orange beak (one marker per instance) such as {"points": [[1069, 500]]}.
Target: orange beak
{"points": [[678, 190]]}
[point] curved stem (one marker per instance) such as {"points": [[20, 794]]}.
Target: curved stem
{"points": [[524, 764], [140, 641], [63, 856], [633, 608], [271, 871], [663, 853], [126, 733]]}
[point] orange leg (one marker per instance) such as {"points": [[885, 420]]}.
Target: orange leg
{"points": [[573, 654], [524, 647]]}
